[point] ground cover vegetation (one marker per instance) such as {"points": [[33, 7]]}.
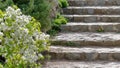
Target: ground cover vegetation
{"points": [[59, 19], [22, 23], [21, 39]]}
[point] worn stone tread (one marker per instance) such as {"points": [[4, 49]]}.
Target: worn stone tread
{"points": [[102, 23], [93, 18], [94, 22], [92, 10], [94, 2], [88, 36], [61, 49], [85, 53], [94, 15], [94, 7], [88, 39], [91, 15], [90, 27], [74, 64]]}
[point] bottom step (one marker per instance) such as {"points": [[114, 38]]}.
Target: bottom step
{"points": [[72, 64]]}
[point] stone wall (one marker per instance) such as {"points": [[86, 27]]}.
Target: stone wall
{"points": [[54, 8]]}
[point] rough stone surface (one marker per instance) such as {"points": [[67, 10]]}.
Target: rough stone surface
{"points": [[94, 2], [55, 8], [93, 10], [93, 18], [90, 27], [88, 39], [74, 64], [60, 49], [91, 36], [84, 53]]}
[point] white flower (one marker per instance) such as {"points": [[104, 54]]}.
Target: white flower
{"points": [[10, 12], [18, 12], [1, 34], [20, 35], [30, 56], [1, 20]]}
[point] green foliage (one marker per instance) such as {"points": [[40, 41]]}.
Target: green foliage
{"points": [[1, 14], [5, 3], [21, 1], [100, 29], [59, 20], [70, 44], [1, 66], [56, 24], [21, 41], [53, 31], [39, 9], [63, 3]]}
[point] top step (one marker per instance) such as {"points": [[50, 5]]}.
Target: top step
{"points": [[94, 2]]}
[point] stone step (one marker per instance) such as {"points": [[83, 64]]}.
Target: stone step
{"points": [[85, 53], [81, 64], [91, 27], [93, 18], [94, 2], [93, 10], [106, 39]]}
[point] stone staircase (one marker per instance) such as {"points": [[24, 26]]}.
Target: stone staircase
{"points": [[90, 39]]}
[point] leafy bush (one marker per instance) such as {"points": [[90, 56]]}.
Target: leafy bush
{"points": [[5, 3], [63, 3], [21, 41], [39, 9], [60, 20], [56, 24]]}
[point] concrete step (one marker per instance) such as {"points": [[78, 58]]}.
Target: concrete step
{"points": [[93, 18], [106, 39], [85, 53], [81, 64], [93, 10], [94, 2], [91, 27]]}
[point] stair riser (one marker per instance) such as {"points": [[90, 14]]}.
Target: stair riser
{"points": [[93, 19], [94, 2], [85, 56], [91, 28], [82, 64], [90, 11], [83, 43]]}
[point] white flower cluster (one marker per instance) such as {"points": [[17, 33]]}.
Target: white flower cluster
{"points": [[14, 33]]}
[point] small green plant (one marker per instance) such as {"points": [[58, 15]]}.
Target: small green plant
{"points": [[56, 24], [100, 29], [52, 32], [70, 44], [63, 3], [60, 20]]}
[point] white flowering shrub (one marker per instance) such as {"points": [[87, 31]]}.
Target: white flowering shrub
{"points": [[21, 40]]}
